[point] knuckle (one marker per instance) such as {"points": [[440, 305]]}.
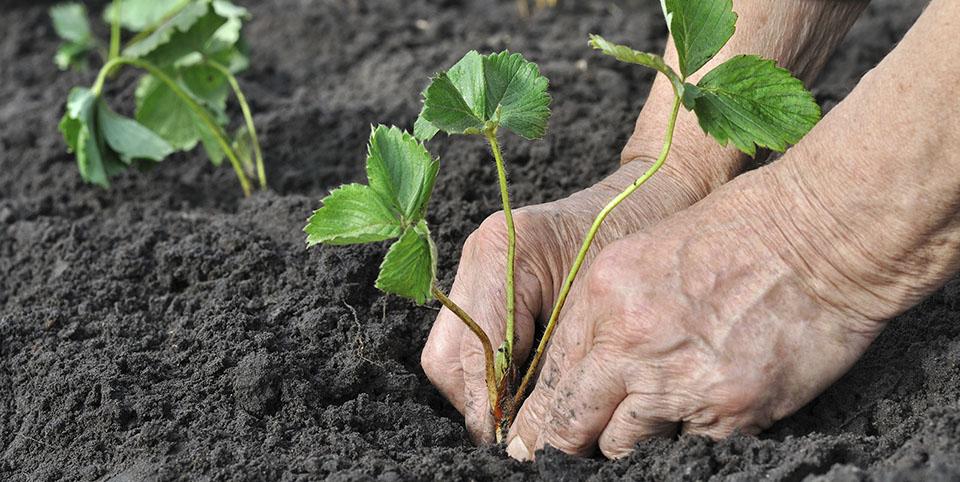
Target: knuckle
{"points": [[439, 369], [605, 274], [566, 431], [492, 233], [614, 447], [567, 439]]}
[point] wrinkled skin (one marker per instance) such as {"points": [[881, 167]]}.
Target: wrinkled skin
{"points": [[737, 311], [698, 324]]}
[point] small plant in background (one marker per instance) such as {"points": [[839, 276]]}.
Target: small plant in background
{"points": [[747, 101], [191, 51], [523, 6]]}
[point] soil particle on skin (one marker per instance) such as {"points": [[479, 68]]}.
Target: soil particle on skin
{"points": [[167, 329]]}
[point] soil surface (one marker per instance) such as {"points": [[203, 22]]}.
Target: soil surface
{"points": [[167, 329]]}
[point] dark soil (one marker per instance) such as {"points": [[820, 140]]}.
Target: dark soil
{"points": [[167, 329]]}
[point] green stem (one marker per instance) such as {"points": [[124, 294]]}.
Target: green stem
{"points": [[115, 30], [582, 255], [511, 243], [247, 117], [197, 109]]}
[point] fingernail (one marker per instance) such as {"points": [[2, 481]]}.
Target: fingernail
{"points": [[518, 450]]}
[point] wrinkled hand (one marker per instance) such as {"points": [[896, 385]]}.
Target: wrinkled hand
{"points": [[703, 324], [548, 238]]}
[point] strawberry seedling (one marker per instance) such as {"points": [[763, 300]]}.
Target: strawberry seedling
{"points": [[746, 101], [191, 51]]}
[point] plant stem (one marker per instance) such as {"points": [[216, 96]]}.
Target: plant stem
{"points": [[581, 256], [484, 341], [197, 109], [247, 117], [511, 243], [115, 30]]}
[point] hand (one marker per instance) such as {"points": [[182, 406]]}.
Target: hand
{"points": [[799, 34], [548, 237], [698, 325], [741, 309]]}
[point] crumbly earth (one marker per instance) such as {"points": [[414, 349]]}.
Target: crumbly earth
{"points": [[167, 329]]}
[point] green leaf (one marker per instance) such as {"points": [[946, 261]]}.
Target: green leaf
{"points": [[138, 15], [184, 19], [71, 55], [631, 56], [483, 92], [129, 139], [402, 171], [352, 214], [409, 268], [162, 111], [104, 142], [71, 23], [751, 102], [700, 28], [217, 30], [79, 128], [447, 109], [518, 92], [423, 129]]}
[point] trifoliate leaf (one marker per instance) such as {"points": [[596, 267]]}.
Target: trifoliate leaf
{"points": [[71, 23], [401, 174], [352, 214], [751, 102], [482, 92], [182, 21], [631, 56], [138, 15], [700, 28], [128, 138], [409, 269], [402, 171]]}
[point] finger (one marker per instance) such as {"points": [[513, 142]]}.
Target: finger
{"points": [[441, 359], [635, 419], [585, 400], [571, 342]]}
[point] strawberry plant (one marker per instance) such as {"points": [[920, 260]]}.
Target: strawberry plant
{"points": [[190, 51], [746, 101]]}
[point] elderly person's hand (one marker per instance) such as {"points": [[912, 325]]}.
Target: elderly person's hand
{"points": [[799, 33], [741, 309]]}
